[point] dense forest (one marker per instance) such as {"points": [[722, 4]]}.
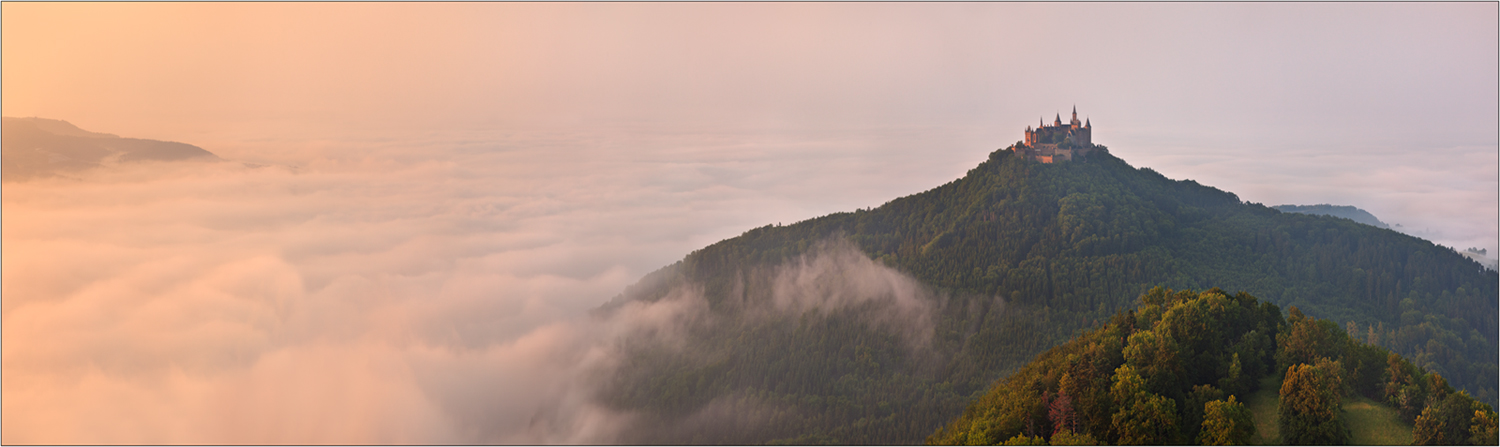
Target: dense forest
{"points": [[1021, 257], [1176, 370]]}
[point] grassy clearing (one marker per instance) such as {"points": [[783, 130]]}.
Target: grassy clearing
{"points": [[1262, 405], [1371, 423]]}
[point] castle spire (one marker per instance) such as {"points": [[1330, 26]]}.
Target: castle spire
{"points": [[1086, 124], [1057, 121], [1075, 112]]}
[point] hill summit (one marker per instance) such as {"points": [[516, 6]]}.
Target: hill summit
{"points": [[791, 340], [1058, 142]]}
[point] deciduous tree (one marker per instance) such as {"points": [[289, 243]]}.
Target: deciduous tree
{"points": [[1141, 417], [1226, 422], [1310, 404]]}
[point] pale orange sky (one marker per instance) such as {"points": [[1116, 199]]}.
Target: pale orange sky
{"points": [[1201, 90], [172, 69], [450, 187]]}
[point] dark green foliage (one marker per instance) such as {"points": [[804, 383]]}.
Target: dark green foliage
{"points": [[1445, 422], [1365, 368], [1026, 256], [1452, 417], [1226, 423]]}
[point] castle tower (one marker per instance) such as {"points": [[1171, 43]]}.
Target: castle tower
{"points": [[1057, 142]]}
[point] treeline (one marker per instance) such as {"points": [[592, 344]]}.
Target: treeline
{"points": [[1026, 256], [1177, 370]]}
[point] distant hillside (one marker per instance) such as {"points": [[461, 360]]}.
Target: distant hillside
{"points": [[1012, 259], [1344, 211], [40, 147]]}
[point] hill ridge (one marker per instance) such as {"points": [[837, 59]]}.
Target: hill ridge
{"points": [[40, 147], [1061, 247]]}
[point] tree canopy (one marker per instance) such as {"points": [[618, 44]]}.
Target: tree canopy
{"points": [[1163, 403]]}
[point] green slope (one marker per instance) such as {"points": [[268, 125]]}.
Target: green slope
{"points": [[1373, 423], [1262, 406], [1369, 422], [1022, 257]]}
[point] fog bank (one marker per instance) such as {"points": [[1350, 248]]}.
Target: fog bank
{"points": [[351, 299]]}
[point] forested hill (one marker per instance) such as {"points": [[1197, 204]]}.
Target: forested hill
{"points": [[1183, 367], [1016, 257]]}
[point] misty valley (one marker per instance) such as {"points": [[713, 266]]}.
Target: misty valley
{"points": [[1071, 303], [749, 223]]}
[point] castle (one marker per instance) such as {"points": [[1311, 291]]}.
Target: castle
{"points": [[1058, 142]]}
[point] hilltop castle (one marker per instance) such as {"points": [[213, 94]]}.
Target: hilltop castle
{"points": [[1058, 142]]}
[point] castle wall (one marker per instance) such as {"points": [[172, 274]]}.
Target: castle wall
{"points": [[1042, 143]]}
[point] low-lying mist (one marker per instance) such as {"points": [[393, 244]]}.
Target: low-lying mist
{"points": [[435, 289], [375, 294], [691, 360]]}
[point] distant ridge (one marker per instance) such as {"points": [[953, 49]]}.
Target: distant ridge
{"points": [[59, 127], [40, 147], [1344, 211]]}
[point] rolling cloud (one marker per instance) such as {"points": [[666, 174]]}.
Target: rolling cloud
{"points": [[354, 300]]}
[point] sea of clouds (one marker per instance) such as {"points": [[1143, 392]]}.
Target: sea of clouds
{"points": [[436, 288], [417, 290], [433, 286]]}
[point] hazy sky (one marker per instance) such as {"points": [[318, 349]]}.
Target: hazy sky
{"points": [[452, 185]]}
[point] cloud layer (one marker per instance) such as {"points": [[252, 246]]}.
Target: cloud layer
{"points": [[370, 295], [421, 289], [449, 188]]}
